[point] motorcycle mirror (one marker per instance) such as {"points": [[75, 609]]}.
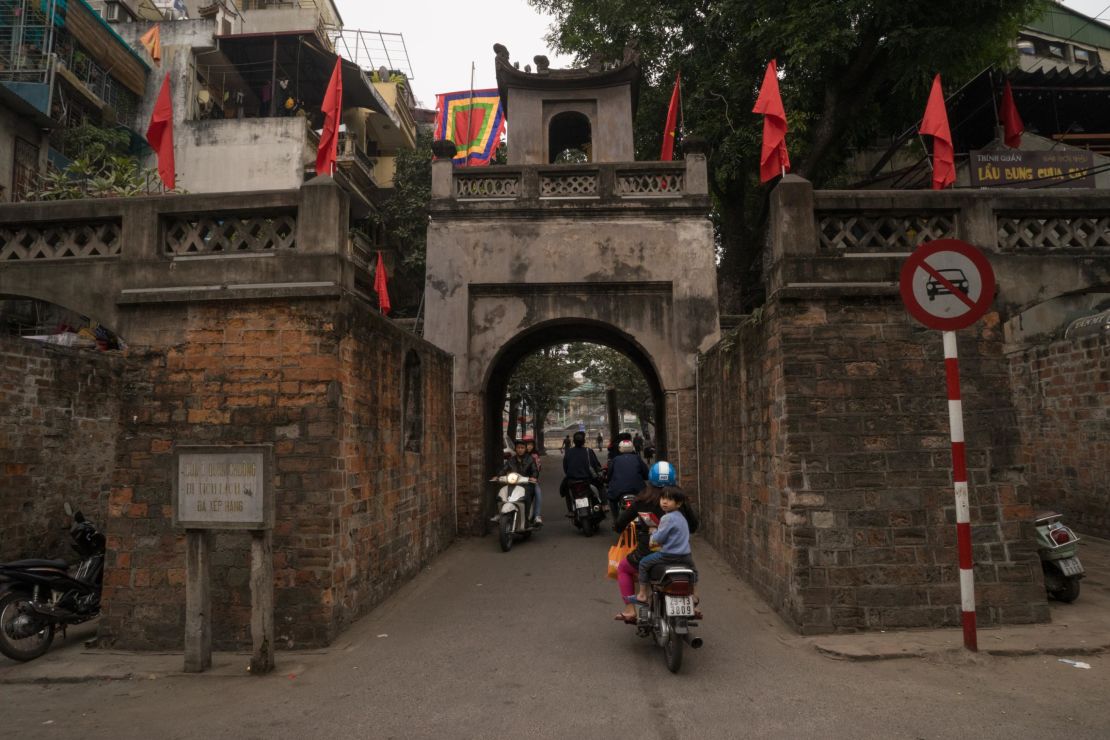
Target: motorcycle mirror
{"points": [[68, 508]]}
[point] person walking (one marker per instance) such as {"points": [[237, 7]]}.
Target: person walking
{"points": [[600, 439], [566, 444]]}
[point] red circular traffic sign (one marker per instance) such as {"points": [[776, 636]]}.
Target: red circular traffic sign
{"points": [[947, 284]]}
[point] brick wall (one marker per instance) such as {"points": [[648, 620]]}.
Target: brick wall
{"points": [[842, 511], [320, 380], [1062, 395], [58, 413]]}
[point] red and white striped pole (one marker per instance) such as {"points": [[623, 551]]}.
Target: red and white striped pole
{"points": [[959, 480]]}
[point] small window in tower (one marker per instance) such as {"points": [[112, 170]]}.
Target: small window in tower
{"points": [[1056, 50], [1027, 47], [1082, 56], [569, 139]]}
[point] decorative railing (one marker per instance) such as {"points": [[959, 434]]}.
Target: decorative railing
{"points": [[569, 185], [666, 183], [1016, 232], [487, 187], [608, 183], [62, 240], [882, 232], [205, 234]]}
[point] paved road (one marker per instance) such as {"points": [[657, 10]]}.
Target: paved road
{"points": [[523, 645]]}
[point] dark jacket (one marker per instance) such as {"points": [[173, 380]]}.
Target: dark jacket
{"points": [[580, 463], [627, 474], [525, 466]]}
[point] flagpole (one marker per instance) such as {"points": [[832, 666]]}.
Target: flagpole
{"points": [[470, 117]]}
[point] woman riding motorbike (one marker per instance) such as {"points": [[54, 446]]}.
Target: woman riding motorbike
{"points": [[645, 513]]}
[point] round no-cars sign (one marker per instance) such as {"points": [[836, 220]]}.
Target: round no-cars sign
{"points": [[947, 284]]}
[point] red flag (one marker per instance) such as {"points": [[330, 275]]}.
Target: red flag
{"points": [[935, 124], [672, 122], [381, 286], [1011, 121], [159, 134], [332, 108], [773, 160]]}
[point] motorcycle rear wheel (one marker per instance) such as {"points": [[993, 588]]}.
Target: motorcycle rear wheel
{"points": [[589, 527], [672, 651], [1068, 591], [506, 533], [26, 648]]}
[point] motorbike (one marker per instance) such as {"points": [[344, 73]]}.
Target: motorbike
{"points": [[515, 499], [670, 613], [1058, 545], [37, 597], [586, 508]]}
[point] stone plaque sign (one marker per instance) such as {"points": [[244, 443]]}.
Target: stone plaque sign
{"points": [[1064, 168], [222, 488]]}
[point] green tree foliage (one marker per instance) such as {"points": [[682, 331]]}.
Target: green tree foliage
{"points": [[404, 211], [609, 368], [101, 167], [539, 381], [851, 71]]}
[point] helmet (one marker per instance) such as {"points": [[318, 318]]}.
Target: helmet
{"points": [[663, 474], [626, 446]]}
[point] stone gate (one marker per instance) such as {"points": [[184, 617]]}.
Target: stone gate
{"points": [[543, 251]]}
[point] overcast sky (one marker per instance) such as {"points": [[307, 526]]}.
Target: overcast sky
{"points": [[442, 43]]}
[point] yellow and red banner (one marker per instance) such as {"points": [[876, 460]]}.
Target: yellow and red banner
{"points": [[474, 121]]}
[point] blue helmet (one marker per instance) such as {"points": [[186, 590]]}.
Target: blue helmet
{"points": [[663, 474]]}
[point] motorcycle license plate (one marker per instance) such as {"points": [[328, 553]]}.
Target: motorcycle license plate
{"points": [[680, 606], [1070, 566], [581, 503]]}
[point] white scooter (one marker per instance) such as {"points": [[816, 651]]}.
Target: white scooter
{"points": [[516, 500]]}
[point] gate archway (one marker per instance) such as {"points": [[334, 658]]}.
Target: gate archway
{"points": [[552, 333]]}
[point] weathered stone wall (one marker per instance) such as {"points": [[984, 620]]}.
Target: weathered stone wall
{"points": [[58, 413], [741, 440], [1062, 395], [850, 522], [319, 379]]}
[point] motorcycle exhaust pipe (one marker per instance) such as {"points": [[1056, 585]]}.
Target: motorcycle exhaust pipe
{"points": [[695, 642]]}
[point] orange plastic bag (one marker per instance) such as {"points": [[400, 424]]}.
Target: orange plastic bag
{"points": [[625, 545]]}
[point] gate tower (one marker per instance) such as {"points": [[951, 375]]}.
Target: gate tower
{"points": [[571, 240]]}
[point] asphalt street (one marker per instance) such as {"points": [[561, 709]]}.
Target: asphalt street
{"points": [[523, 644]]}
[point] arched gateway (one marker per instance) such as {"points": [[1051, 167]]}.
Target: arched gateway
{"points": [[532, 254]]}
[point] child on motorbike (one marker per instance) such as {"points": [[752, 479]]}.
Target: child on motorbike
{"points": [[673, 539]]}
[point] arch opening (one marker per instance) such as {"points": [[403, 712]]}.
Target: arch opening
{"points": [[569, 139], [560, 334], [43, 321]]}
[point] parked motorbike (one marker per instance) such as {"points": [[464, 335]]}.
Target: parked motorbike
{"points": [[586, 508], [670, 613], [1058, 545], [516, 499], [39, 596]]}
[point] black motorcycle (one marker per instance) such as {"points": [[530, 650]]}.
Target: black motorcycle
{"points": [[670, 613], [586, 507], [39, 596]]}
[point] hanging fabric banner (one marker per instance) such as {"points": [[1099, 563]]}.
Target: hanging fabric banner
{"points": [[474, 121]]}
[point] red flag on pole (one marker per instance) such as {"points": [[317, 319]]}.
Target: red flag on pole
{"points": [[159, 134], [773, 160], [667, 153], [332, 108], [935, 124], [381, 286], [1011, 121]]}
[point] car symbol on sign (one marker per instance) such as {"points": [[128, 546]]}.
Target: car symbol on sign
{"points": [[934, 287]]}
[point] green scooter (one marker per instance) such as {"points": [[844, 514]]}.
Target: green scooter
{"points": [[1058, 545]]}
